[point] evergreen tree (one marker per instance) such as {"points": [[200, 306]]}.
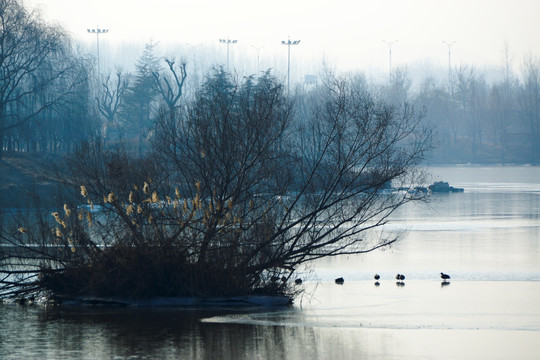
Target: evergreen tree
{"points": [[141, 95]]}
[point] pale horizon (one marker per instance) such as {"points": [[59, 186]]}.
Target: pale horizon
{"points": [[347, 35]]}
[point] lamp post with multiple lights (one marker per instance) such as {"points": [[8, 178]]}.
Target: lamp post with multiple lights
{"points": [[390, 43], [289, 43], [98, 32], [228, 42]]}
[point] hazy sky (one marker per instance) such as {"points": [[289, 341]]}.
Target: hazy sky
{"points": [[346, 33]]}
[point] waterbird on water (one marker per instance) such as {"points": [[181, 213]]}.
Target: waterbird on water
{"points": [[400, 277], [340, 281], [377, 276], [445, 276]]}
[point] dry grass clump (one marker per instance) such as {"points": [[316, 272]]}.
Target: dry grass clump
{"points": [[146, 245]]}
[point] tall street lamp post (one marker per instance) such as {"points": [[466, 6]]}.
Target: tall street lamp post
{"points": [[98, 31], [258, 49], [390, 43], [449, 44], [228, 42], [289, 43]]}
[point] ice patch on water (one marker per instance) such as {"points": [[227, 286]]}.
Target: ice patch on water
{"points": [[498, 187], [460, 223], [462, 305]]}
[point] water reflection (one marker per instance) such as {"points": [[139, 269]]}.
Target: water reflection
{"points": [[159, 333], [356, 320]]}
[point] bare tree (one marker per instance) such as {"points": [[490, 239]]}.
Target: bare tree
{"points": [[290, 204], [112, 95], [529, 103], [398, 90], [501, 107], [37, 70], [171, 89]]}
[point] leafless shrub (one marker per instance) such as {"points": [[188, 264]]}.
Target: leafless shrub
{"points": [[238, 194]]}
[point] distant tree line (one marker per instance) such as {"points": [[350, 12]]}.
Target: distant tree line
{"points": [[477, 121], [51, 99]]}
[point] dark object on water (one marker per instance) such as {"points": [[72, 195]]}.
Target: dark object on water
{"points": [[298, 281], [400, 277], [445, 283], [377, 276], [283, 279], [443, 187], [377, 283], [340, 281], [445, 276], [400, 283]]}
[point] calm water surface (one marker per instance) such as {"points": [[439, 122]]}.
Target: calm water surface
{"points": [[487, 238]]}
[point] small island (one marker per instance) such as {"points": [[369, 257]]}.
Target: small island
{"points": [[443, 187]]}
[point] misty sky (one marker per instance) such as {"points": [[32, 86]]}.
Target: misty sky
{"points": [[348, 34]]}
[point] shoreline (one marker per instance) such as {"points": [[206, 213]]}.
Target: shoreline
{"points": [[180, 302]]}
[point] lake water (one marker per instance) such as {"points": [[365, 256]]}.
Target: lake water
{"points": [[487, 239]]}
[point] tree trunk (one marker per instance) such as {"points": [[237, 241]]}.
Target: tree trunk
{"points": [[1, 143]]}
